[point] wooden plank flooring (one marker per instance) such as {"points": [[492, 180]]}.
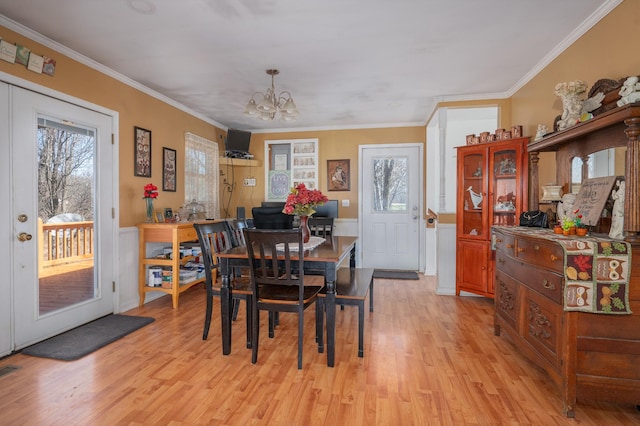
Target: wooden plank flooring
{"points": [[429, 360]]}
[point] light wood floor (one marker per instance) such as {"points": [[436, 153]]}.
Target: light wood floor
{"points": [[429, 360]]}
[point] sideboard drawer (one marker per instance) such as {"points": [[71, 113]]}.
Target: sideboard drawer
{"points": [[538, 253], [505, 242], [547, 283]]}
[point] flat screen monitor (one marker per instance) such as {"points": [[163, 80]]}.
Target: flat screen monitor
{"points": [[328, 209], [238, 141]]}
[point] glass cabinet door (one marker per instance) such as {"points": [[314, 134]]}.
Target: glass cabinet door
{"points": [[503, 186], [472, 198]]}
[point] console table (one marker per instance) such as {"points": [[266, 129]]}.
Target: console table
{"points": [[173, 234]]}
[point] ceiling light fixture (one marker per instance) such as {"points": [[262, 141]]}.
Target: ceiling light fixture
{"points": [[264, 106]]}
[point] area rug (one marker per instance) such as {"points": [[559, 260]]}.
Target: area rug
{"points": [[87, 338], [395, 275]]}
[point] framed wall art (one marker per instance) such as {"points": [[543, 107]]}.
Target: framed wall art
{"points": [[338, 175], [142, 152], [169, 170]]}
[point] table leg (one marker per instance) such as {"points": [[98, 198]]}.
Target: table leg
{"points": [[330, 309], [225, 305]]}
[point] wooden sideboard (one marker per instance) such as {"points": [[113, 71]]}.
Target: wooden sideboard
{"points": [[590, 357]]}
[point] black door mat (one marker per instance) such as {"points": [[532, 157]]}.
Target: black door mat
{"points": [[83, 340], [395, 275]]}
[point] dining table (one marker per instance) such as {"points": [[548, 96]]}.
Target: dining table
{"points": [[324, 259]]}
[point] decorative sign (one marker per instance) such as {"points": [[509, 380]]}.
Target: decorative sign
{"points": [[592, 197], [279, 184]]}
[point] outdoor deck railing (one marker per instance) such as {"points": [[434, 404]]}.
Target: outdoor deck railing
{"points": [[64, 243]]}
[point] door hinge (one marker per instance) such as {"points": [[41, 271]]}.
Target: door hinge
{"points": [[113, 139], [113, 213], [113, 286]]}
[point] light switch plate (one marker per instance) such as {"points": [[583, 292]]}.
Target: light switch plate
{"points": [[345, 203]]}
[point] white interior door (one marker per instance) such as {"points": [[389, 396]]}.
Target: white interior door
{"points": [[6, 329], [50, 137], [391, 206]]}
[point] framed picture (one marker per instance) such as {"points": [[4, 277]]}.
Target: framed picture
{"points": [[159, 217], [168, 215], [169, 169], [338, 175], [142, 152]]}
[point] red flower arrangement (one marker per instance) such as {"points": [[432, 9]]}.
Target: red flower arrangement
{"points": [[301, 201], [150, 191]]}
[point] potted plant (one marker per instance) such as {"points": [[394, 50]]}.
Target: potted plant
{"points": [[581, 228]]}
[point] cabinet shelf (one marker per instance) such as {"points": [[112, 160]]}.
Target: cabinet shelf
{"points": [[240, 162], [173, 234]]}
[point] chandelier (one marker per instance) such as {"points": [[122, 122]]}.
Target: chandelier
{"points": [[264, 106]]}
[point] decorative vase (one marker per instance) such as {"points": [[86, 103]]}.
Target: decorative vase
{"points": [[304, 226], [581, 232], [557, 229], [149, 202]]}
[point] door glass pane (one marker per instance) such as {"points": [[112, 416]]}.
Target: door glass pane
{"points": [[504, 187], [474, 187], [390, 176], [66, 166]]}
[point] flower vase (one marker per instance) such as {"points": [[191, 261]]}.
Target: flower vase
{"points": [[304, 226], [149, 202], [581, 232]]}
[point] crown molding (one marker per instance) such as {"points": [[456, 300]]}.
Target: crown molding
{"points": [[64, 50]]}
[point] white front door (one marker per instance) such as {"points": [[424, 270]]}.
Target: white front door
{"points": [[61, 165], [391, 206]]}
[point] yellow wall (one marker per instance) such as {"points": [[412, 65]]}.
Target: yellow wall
{"points": [[608, 50], [167, 124], [332, 145]]}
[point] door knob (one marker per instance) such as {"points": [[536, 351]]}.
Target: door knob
{"points": [[23, 236]]}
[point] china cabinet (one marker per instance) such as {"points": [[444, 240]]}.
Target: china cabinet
{"points": [[492, 190]]}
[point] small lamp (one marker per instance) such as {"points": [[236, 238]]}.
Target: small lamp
{"points": [[551, 193]]}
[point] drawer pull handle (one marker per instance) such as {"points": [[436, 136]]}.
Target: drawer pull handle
{"points": [[536, 247], [509, 245], [546, 284], [554, 258], [501, 261], [520, 249], [498, 240]]}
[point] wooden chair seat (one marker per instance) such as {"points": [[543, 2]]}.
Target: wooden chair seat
{"points": [[352, 287]]}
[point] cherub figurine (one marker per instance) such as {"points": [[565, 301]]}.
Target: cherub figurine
{"points": [[542, 130], [630, 91], [565, 207]]}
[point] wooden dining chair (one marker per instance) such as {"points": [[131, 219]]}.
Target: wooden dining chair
{"points": [[277, 281], [215, 237], [321, 226]]}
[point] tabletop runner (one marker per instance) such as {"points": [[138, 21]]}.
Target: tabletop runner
{"points": [[596, 272]]}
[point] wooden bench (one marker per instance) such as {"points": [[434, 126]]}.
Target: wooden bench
{"points": [[352, 287]]}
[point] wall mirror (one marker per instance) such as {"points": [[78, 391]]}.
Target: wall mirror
{"points": [[607, 162]]}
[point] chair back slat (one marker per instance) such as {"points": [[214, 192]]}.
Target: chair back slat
{"points": [[213, 238], [321, 226], [272, 260]]}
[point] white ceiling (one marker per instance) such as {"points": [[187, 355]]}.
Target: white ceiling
{"points": [[347, 63]]}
